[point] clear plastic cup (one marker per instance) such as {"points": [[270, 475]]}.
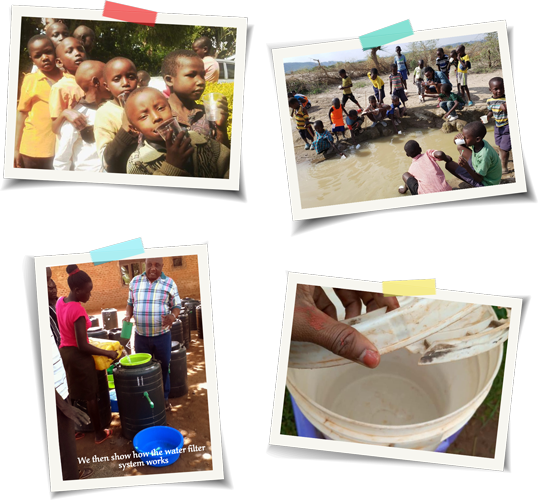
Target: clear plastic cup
{"points": [[211, 102], [484, 119], [170, 124], [122, 98], [459, 142]]}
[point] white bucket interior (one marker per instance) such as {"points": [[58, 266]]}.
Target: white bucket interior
{"points": [[398, 392]]}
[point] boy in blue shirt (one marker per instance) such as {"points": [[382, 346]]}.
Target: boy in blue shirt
{"points": [[401, 62]]}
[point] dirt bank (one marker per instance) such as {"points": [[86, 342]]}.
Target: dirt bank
{"points": [[420, 115]]}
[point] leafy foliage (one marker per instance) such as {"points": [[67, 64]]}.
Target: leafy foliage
{"points": [[425, 50]]}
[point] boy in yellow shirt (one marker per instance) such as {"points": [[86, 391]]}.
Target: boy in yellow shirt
{"points": [[34, 138], [379, 85], [346, 87]]}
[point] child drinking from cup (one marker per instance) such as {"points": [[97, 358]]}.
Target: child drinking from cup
{"points": [[166, 149]]}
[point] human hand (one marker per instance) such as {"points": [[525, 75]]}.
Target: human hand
{"points": [[168, 320], [127, 318], [17, 160], [112, 355], [125, 125], [458, 136], [78, 416], [179, 150], [78, 120], [463, 162], [315, 321], [222, 113]]}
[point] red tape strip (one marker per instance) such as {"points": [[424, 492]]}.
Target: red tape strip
{"points": [[129, 14]]}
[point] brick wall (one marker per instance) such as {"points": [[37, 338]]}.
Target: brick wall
{"points": [[110, 292]]}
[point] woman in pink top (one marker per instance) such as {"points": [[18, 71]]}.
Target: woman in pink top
{"points": [[75, 349], [425, 175]]}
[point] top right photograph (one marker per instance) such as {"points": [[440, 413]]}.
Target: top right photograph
{"points": [[426, 119]]}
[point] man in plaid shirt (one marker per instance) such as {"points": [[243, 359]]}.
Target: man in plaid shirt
{"points": [[155, 304]]}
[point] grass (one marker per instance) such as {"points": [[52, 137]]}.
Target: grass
{"points": [[287, 426]]}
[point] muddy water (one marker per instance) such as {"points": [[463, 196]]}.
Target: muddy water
{"points": [[373, 172]]}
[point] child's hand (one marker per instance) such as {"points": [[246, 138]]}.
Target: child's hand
{"points": [[458, 136], [222, 113], [178, 151], [125, 125], [78, 120], [463, 162], [17, 160], [440, 155]]}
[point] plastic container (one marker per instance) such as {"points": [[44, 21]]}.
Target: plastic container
{"points": [[178, 373], [400, 403], [158, 446], [126, 329], [96, 332], [135, 359], [110, 318]]}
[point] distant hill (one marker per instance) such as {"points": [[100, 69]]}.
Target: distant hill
{"points": [[289, 67]]}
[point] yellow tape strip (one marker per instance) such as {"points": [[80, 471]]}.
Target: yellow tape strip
{"points": [[409, 287]]}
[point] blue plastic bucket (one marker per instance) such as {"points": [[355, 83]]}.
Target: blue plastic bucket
{"points": [[158, 446], [113, 401], [306, 429]]}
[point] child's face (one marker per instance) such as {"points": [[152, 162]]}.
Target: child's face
{"points": [[200, 48], [43, 55], [496, 89], [394, 70], [319, 128], [343, 74], [70, 54], [421, 64], [398, 50], [120, 77], [372, 102], [295, 105], [428, 75], [57, 32], [461, 51], [189, 80], [440, 53], [146, 111], [396, 101], [470, 140]]}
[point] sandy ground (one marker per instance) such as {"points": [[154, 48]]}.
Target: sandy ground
{"points": [[321, 103], [189, 415]]}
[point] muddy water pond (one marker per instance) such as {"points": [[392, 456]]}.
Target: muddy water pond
{"points": [[372, 172]]}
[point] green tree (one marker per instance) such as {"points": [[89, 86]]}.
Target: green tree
{"points": [[425, 50]]}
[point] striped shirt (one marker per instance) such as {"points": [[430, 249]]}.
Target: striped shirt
{"points": [[60, 382], [151, 301], [443, 63], [396, 81], [500, 116], [300, 117]]}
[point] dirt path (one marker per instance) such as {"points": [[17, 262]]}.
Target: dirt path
{"points": [[421, 115], [189, 415]]}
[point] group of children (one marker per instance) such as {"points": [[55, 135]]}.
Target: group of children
{"points": [[478, 163], [84, 115]]}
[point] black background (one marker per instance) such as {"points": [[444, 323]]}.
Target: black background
{"points": [[487, 249]]}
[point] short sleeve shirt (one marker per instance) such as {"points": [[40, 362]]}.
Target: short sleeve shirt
{"points": [[440, 77], [211, 67], [377, 83], [429, 175], [38, 139], [345, 83], [462, 67], [400, 61], [152, 301], [419, 73], [396, 81], [300, 118], [487, 163], [443, 63], [64, 94], [68, 313], [500, 116]]}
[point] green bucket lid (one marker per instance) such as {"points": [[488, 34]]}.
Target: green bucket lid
{"points": [[135, 359]]}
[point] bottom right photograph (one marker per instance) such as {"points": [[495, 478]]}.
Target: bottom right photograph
{"points": [[402, 372]]}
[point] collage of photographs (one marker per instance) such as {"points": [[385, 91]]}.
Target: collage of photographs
{"points": [[347, 239]]}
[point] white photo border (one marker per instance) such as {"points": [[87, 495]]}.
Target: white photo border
{"points": [[299, 213], [496, 463], [56, 479], [231, 184]]}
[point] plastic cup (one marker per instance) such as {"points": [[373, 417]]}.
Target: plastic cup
{"points": [[126, 330], [460, 142], [170, 124], [211, 104], [484, 119], [122, 98]]}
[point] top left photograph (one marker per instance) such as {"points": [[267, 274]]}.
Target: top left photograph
{"points": [[92, 99]]}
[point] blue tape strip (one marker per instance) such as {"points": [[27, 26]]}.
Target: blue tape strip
{"points": [[386, 35], [117, 252]]}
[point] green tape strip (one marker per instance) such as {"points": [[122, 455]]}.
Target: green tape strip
{"points": [[386, 35]]}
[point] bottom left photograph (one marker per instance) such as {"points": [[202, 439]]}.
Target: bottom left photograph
{"points": [[128, 369]]}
